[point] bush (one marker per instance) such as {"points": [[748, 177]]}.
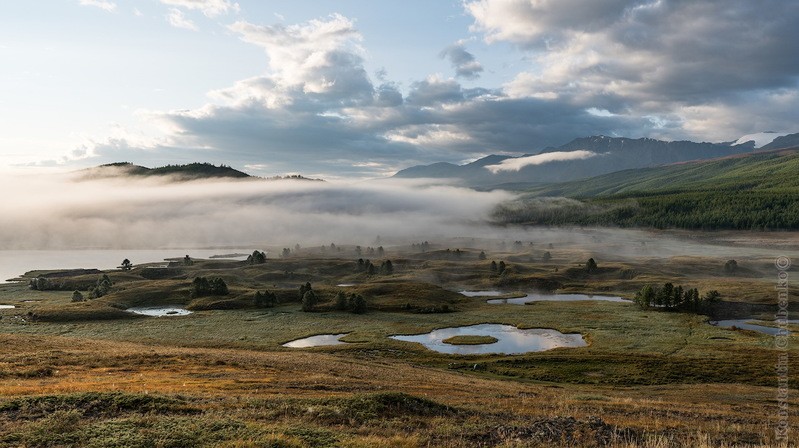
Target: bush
{"points": [[78, 297]]}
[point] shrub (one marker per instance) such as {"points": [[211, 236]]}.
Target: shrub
{"points": [[78, 297]]}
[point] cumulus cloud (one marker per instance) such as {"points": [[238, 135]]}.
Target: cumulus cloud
{"points": [[176, 18], [139, 213], [210, 8], [105, 5], [464, 63], [517, 163]]}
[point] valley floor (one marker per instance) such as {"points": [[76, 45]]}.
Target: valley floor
{"points": [[90, 374]]}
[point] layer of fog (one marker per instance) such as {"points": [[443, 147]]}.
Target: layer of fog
{"points": [[517, 163], [61, 211], [56, 211]]}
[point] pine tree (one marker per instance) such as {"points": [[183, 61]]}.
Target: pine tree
{"points": [[309, 300], [358, 305], [341, 301]]}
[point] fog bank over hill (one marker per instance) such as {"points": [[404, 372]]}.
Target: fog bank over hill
{"points": [[69, 211]]}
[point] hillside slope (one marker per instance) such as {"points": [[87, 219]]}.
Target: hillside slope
{"points": [[752, 192], [759, 171]]}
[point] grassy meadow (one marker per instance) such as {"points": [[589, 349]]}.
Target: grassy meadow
{"points": [[91, 374]]}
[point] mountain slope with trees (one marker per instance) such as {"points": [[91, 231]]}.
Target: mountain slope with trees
{"points": [[753, 192], [189, 171]]}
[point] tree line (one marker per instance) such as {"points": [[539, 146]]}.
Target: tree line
{"points": [[670, 297]]}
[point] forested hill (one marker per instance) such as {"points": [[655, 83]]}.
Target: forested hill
{"points": [[183, 172], [755, 191]]}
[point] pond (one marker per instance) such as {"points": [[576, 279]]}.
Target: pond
{"points": [[746, 324], [491, 293], [542, 297], [319, 340], [159, 311], [7, 307], [346, 285], [510, 340]]}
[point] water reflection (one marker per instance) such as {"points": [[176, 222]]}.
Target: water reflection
{"points": [[317, 341], [510, 340], [159, 311], [540, 297]]}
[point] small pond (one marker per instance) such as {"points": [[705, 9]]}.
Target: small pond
{"points": [[7, 307], [541, 297], [491, 293], [317, 341], [345, 285], [746, 324], [159, 311], [510, 340]]}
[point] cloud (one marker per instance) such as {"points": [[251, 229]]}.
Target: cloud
{"points": [[516, 164], [211, 8], [105, 5], [610, 68], [176, 18], [464, 63], [651, 58], [149, 213], [321, 58]]}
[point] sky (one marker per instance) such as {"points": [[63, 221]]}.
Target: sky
{"points": [[354, 89]]}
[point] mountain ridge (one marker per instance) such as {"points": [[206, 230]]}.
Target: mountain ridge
{"points": [[610, 154]]}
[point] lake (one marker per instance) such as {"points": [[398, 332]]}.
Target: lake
{"points": [[14, 263]]}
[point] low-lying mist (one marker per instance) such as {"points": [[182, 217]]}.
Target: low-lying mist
{"points": [[65, 211]]}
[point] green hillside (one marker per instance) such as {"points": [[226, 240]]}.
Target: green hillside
{"points": [[759, 171], [751, 192]]}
